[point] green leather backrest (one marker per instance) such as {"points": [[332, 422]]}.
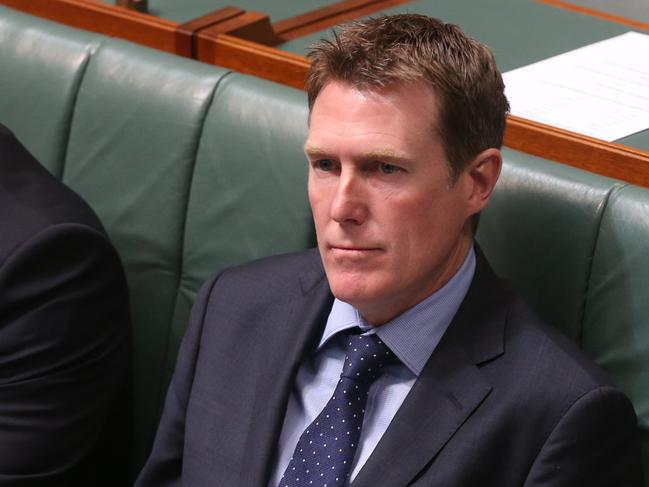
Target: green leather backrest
{"points": [[193, 168], [248, 196], [41, 66], [131, 154], [576, 246], [539, 231], [616, 315], [190, 168]]}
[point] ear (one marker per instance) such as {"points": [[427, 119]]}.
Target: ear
{"points": [[482, 173]]}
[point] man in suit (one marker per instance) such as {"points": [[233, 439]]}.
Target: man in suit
{"points": [[64, 334], [463, 385]]}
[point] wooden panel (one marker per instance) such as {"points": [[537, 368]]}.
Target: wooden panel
{"points": [[577, 150], [110, 20], [325, 17], [252, 26], [597, 13], [252, 58], [192, 27]]}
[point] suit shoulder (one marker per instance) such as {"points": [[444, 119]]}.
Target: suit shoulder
{"points": [[31, 198], [542, 350], [275, 277]]}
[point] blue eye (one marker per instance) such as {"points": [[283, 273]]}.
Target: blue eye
{"points": [[388, 168], [324, 165]]}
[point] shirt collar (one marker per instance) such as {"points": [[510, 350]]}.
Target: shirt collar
{"points": [[414, 334]]}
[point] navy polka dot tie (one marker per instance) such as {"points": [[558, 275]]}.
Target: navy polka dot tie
{"points": [[325, 451]]}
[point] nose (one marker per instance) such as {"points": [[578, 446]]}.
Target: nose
{"points": [[349, 205]]}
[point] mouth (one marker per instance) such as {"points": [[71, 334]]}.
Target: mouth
{"points": [[352, 250]]}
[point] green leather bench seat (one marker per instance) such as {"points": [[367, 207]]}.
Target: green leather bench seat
{"points": [[576, 246], [186, 165], [616, 314], [540, 230], [248, 194], [131, 152], [42, 66], [193, 168]]}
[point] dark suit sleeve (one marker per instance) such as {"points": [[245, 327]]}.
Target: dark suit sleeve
{"points": [[164, 466], [594, 444], [64, 354]]}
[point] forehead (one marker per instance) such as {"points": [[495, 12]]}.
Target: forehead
{"points": [[413, 97], [399, 116]]}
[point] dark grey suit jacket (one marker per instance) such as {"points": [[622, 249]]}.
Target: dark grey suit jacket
{"points": [[64, 335], [503, 401]]}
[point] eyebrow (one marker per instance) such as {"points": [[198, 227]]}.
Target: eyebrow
{"points": [[314, 150], [385, 153]]}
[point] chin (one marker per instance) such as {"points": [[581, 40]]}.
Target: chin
{"points": [[354, 290]]}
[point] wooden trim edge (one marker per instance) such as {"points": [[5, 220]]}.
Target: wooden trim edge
{"points": [[192, 27], [252, 26], [618, 19], [252, 58], [594, 155], [109, 20]]}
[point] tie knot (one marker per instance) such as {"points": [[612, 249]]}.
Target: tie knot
{"points": [[366, 356]]}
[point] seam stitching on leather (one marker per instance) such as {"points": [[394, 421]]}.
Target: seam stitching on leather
{"points": [[92, 51], [613, 190], [183, 233]]}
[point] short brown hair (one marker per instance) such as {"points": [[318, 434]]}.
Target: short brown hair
{"points": [[378, 52]]}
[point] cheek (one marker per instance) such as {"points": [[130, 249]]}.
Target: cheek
{"points": [[425, 227], [311, 192], [317, 203]]}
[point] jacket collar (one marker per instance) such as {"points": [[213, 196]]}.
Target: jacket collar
{"points": [[291, 331], [450, 388], [446, 393]]}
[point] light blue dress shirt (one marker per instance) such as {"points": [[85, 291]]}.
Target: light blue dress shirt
{"points": [[412, 336]]}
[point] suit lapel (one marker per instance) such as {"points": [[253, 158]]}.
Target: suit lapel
{"points": [[291, 330], [447, 392]]}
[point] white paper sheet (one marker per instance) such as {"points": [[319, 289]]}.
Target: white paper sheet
{"points": [[601, 90]]}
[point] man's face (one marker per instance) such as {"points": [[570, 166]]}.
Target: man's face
{"points": [[391, 225]]}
